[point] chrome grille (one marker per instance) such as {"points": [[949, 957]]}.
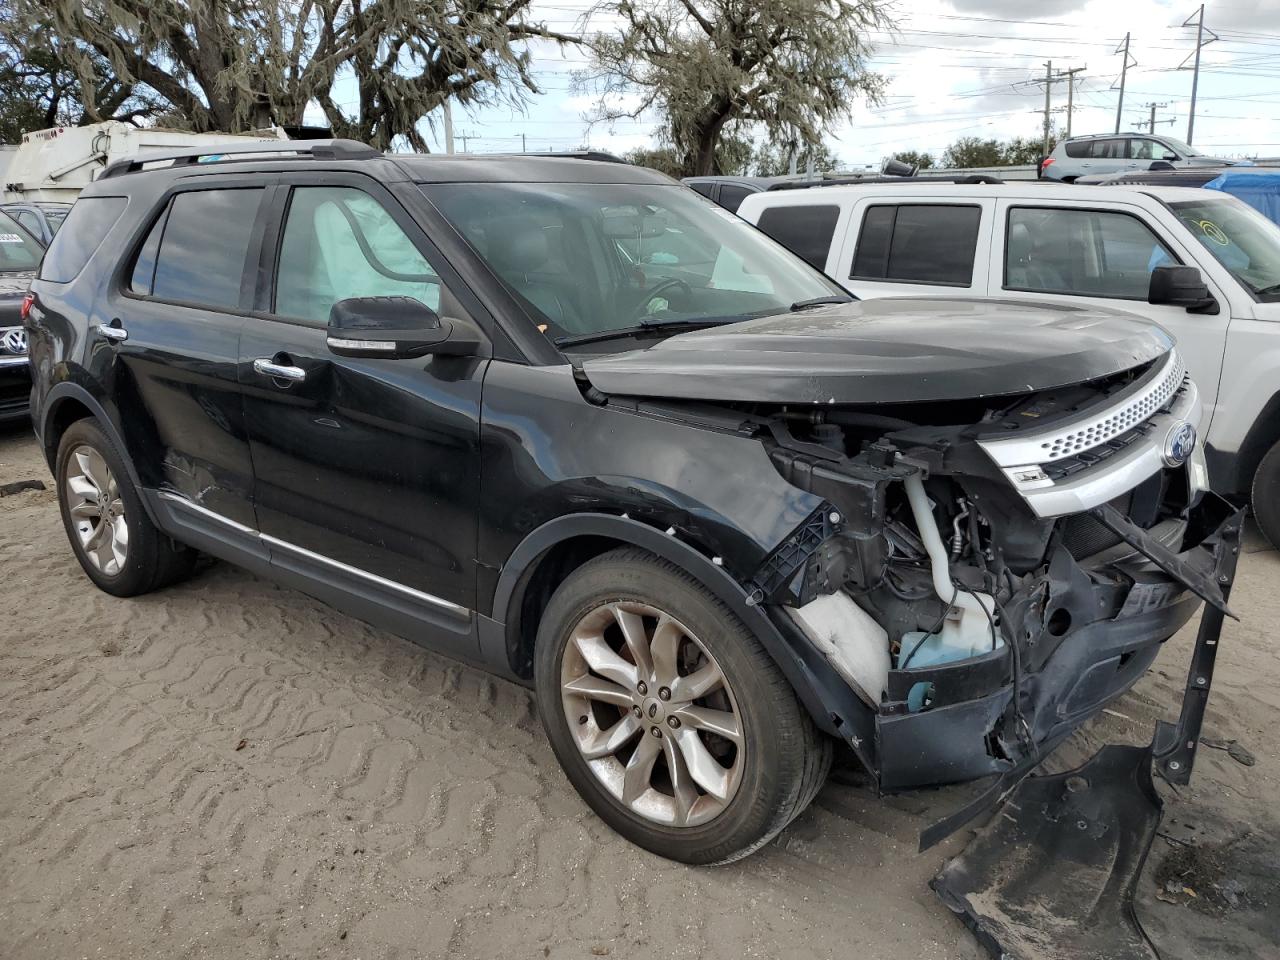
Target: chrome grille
{"points": [[1119, 421]]}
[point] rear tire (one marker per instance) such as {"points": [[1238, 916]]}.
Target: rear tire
{"points": [[1265, 496], [600, 712], [118, 546]]}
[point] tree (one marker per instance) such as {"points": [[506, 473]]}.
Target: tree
{"points": [[973, 152], [663, 159], [921, 161], [717, 67], [236, 65], [40, 89], [1022, 150], [774, 160]]}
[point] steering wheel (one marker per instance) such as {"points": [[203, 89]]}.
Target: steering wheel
{"points": [[648, 295]]}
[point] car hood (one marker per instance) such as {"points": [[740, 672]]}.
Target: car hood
{"points": [[893, 350]]}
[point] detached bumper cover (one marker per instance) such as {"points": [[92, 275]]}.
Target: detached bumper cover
{"points": [[1055, 873]]}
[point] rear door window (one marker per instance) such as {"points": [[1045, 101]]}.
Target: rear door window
{"points": [[206, 239], [806, 230], [1090, 253], [1108, 149], [86, 227], [918, 243], [1079, 148]]}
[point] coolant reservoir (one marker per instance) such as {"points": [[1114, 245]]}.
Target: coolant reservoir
{"points": [[964, 633]]}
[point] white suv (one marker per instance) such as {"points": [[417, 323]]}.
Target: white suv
{"points": [[1203, 265]]}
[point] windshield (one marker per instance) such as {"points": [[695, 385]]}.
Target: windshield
{"points": [[1183, 148], [590, 258], [1240, 238], [18, 249]]}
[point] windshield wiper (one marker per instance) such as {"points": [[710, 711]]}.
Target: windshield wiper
{"points": [[644, 327], [818, 302]]}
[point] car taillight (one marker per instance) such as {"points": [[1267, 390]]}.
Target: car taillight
{"points": [[27, 301], [1044, 164]]}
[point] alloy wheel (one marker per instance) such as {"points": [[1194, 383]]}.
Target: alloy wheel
{"points": [[97, 510], [653, 714]]}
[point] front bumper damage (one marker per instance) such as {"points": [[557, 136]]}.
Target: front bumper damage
{"points": [[973, 729], [1054, 874]]}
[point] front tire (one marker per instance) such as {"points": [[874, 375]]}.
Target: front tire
{"points": [[118, 546], [1265, 496], [667, 714]]}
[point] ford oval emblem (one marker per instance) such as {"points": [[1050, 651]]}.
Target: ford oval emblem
{"points": [[1179, 443]]}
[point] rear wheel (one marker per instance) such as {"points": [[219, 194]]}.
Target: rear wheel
{"points": [[113, 538], [1265, 495], [668, 716]]}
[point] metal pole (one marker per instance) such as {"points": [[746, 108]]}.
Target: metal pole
{"points": [[1195, 77], [1151, 127], [1124, 69], [1048, 83], [448, 128], [523, 148]]}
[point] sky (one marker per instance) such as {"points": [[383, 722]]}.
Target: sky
{"points": [[972, 68]]}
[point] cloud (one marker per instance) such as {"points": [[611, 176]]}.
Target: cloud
{"points": [[1018, 9]]}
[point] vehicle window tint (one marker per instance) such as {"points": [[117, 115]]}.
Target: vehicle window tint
{"points": [[1144, 149], [804, 230], [1108, 149], [703, 188], [732, 195], [918, 243], [1079, 148], [144, 266], [203, 249], [339, 243], [18, 251], [28, 219], [1092, 253], [87, 225]]}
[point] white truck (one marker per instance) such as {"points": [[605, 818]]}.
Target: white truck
{"points": [[1203, 265], [54, 165]]}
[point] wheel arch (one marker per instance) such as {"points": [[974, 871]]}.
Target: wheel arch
{"points": [[67, 403], [551, 552], [1233, 473]]}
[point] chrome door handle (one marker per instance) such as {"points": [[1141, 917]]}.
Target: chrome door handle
{"points": [[279, 371], [113, 333]]}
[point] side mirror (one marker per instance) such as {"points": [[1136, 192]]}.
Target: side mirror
{"points": [[1181, 286], [397, 327], [1169, 155]]}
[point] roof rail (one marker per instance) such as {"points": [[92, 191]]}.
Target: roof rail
{"points": [[600, 156], [227, 152], [902, 181]]}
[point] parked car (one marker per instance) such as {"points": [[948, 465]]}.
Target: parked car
{"points": [[730, 191], [1114, 153], [19, 256], [41, 220], [1100, 246], [718, 520]]}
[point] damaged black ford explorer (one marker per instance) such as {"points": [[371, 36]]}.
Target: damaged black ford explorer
{"points": [[567, 420]]}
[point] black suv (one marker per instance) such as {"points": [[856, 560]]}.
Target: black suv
{"points": [[574, 423]]}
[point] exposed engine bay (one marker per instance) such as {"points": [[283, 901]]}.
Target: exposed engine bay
{"points": [[977, 618]]}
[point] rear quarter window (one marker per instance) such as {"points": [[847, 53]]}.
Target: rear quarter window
{"points": [[1077, 148], [80, 236], [804, 230]]}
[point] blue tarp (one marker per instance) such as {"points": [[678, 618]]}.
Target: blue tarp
{"points": [[1258, 187]]}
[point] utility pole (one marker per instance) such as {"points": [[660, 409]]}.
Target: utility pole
{"points": [[464, 137], [523, 148], [1124, 69], [1071, 89], [1048, 85], [1151, 124], [448, 127], [1195, 76]]}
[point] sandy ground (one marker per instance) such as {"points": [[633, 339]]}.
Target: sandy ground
{"points": [[228, 769]]}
